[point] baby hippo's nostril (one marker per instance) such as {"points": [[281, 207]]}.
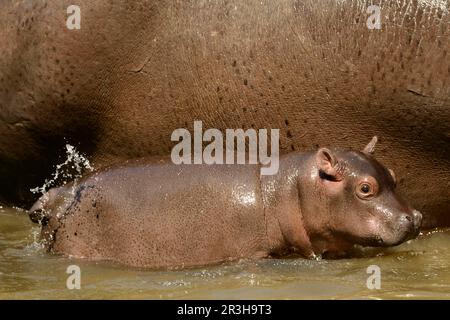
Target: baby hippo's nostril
{"points": [[410, 223], [406, 219]]}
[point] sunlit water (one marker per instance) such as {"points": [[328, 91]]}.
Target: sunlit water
{"points": [[418, 269]]}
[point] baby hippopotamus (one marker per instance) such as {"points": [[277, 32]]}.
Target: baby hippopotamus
{"points": [[161, 215]]}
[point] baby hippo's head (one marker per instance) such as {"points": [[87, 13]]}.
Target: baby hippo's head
{"points": [[361, 202]]}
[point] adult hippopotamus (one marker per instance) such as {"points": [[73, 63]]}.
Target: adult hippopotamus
{"points": [[161, 215], [135, 71]]}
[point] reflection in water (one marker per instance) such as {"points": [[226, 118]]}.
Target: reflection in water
{"points": [[418, 269]]}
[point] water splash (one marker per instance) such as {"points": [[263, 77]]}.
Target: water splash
{"points": [[36, 244], [71, 169]]}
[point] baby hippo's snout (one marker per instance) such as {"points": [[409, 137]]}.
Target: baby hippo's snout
{"points": [[412, 222], [406, 228]]}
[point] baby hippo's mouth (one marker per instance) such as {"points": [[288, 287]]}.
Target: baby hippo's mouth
{"points": [[380, 242]]}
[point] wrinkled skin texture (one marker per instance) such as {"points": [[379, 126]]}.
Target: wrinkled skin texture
{"points": [[136, 71], [160, 215]]}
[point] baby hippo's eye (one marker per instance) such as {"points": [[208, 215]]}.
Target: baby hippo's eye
{"points": [[366, 188]]}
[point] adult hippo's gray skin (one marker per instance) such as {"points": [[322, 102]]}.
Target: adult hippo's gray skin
{"points": [[136, 70], [161, 215]]}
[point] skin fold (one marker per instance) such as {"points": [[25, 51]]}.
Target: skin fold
{"points": [[135, 71]]}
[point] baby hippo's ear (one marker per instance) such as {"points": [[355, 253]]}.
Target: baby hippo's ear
{"points": [[393, 176], [370, 148], [328, 164]]}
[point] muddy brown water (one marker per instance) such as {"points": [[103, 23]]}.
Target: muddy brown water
{"points": [[417, 269]]}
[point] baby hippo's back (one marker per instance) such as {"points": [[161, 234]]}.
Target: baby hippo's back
{"points": [[158, 215]]}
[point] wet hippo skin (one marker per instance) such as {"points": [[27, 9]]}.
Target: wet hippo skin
{"points": [[134, 72], [161, 215]]}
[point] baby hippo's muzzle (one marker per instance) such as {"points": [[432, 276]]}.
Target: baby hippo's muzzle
{"points": [[412, 222], [405, 227]]}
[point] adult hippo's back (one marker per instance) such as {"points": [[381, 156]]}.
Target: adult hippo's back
{"points": [[136, 71]]}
